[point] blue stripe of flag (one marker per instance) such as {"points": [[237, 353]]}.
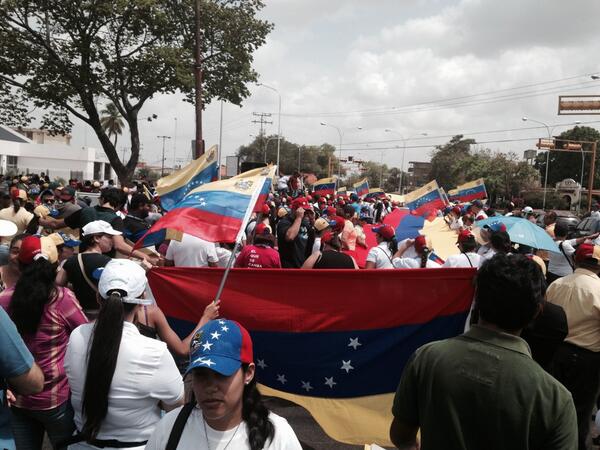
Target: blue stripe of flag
{"points": [[207, 175]]}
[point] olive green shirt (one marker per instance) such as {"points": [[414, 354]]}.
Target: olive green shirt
{"points": [[482, 390]]}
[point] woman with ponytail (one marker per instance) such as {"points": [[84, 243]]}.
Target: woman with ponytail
{"points": [[119, 379], [228, 411], [422, 259], [380, 257], [45, 316]]}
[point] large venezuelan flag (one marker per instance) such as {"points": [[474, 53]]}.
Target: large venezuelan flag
{"points": [[325, 186], [340, 356], [362, 187], [214, 211], [376, 193], [470, 191], [173, 188], [425, 200]]}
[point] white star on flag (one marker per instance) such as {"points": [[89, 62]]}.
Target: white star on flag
{"points": [[225, 329], [221, 322], [215, 335], [206, 346], [261, 363], [306, 385], [346, 366], [354, 343], [205, 361], [281, 379], [329, 382]]}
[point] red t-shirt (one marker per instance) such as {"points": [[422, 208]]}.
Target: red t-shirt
{"points": [[258, 256]]}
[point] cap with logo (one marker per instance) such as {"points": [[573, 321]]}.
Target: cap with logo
{"points": [[220, 345], [36, 247], [301, 202], [321, 224], [589, 253], [385, 231]]}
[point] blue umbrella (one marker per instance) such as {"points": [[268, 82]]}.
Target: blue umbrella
{"points": [[522, 231]]}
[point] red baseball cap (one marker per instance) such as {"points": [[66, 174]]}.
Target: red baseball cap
{"points": [[585, 252], [265, 209], [385, 231], [261, 229], [301, 202], [337, 224], [465, 235], [420, 243], [35, 247], [456, 210]]}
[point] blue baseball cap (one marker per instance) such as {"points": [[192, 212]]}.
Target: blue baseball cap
{"points": [[69, 241], [220, 345]]}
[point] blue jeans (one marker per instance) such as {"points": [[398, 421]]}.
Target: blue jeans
{"points": [[28, 426]]}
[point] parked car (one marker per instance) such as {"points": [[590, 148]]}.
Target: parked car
{"points": [[564, 217], [587, 226]]}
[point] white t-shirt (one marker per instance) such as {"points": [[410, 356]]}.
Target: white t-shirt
{"points": [[193, 437], [21, 219], [145, 374], [192, 252], [486, 252], [381, 256], [456, 223], [223, 254], [558, 264], [468, 259], [481, 215], [414, 263]]}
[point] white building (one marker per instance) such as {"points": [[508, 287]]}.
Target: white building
{"points": [[35, 151]]}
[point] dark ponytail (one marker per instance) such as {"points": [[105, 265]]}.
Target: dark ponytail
{"points": [[102, 361], [16, 205], [393, 245], [256, 415], [424, 257], [33, 290]]}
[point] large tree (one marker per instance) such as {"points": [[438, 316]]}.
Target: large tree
{"points": [[444, 159], [69, 58], [305, 158], [567, 164]]}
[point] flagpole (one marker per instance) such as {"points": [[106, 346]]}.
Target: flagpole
{"points": [[238, 239]]}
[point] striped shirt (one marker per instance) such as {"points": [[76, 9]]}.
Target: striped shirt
{"points": [[48, 345]]}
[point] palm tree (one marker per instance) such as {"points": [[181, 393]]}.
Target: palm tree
{"points": [[111, 121]]}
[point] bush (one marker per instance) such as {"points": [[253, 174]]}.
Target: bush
{"points": [[553, 200]]}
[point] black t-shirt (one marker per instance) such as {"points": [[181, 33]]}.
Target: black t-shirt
{"points": [[135, 227], [294, 253], [331, 259], [84, 216], [91, 262]]}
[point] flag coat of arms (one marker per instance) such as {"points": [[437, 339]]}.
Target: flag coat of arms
{"points": [[214, 211], [173, 188], [425, 200], [325, 186], [362, 187], [341, 359], [376, 193], [470, 191]]}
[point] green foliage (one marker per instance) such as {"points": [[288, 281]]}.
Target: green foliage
{"points": [[147, 174], [111, 122], [311, 159], [568, 164], [553, 200], [65, 57], [505, 176]]}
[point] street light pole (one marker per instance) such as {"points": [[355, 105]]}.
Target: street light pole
{"points": [[549, 130], [162, 167], [387, 130], [340, 134], [278, 123]]}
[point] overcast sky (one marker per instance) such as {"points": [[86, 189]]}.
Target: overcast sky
{"points": [[412, 66]]}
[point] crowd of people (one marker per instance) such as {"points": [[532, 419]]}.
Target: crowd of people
{"points": [[90, 360]]}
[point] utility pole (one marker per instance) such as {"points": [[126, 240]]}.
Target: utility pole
{"points": [[199, 150], [162, 167], [262, 120]]}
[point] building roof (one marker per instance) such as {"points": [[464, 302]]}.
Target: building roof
{"points": [[6, 134]]}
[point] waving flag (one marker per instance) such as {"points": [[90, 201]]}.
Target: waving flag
{"points": [[173, 188], [376, 193], [362, 187], [325, 186], [425, 200], [469, 191], [214, 211], [338, 359]]}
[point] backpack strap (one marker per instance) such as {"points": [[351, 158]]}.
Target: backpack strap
{"points": [[560, 246], [179, 425], [85, 277]]}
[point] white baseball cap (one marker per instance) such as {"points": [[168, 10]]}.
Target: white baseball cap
{"points": [[7, 228], [124, 275], [98, 227], [528, 210]]}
